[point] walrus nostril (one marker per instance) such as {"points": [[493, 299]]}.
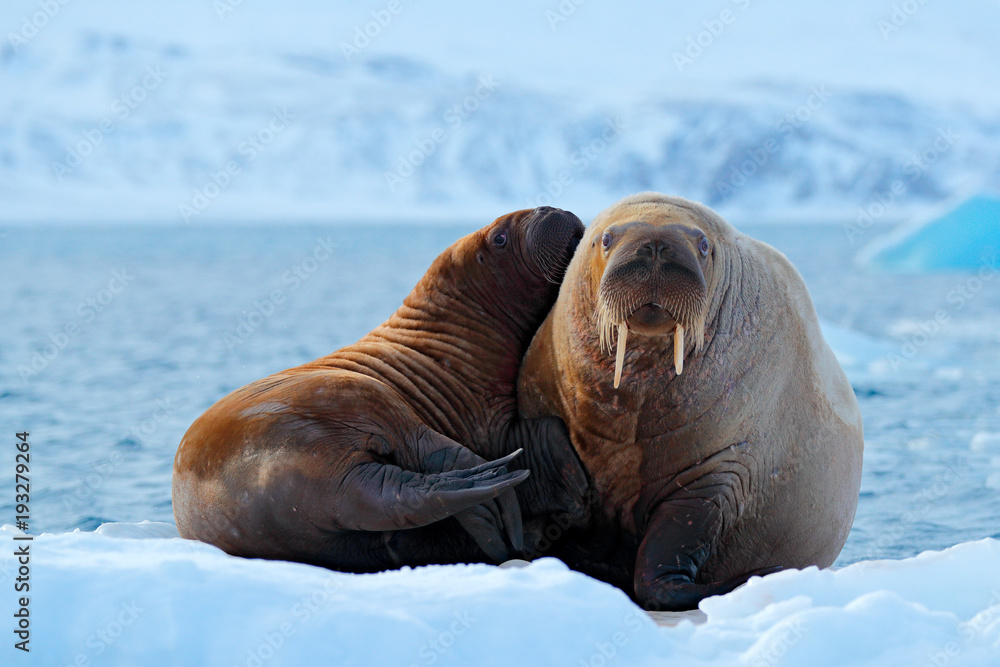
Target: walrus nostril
{"points": [[655, 249], [547, 219], [548, 215]]}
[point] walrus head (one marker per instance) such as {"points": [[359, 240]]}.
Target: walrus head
{"points": [[522, 258], [651, 260], [530, 243]]}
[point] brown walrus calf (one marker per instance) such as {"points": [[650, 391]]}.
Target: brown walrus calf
{"points": [[372, 457], [721, 434]]}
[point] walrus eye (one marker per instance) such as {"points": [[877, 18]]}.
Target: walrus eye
{"points": [[606, 240], [703, 246], [500, 240]]}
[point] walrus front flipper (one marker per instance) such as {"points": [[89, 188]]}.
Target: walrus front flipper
{"points": [[558, 482], [486, 528], [677, 543], [488, 523]]}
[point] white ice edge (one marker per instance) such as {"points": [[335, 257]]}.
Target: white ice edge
{"points": [[152, 598]]}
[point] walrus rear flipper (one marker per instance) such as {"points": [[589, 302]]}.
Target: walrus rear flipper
{"points": [[386, 497], [383, 497]]}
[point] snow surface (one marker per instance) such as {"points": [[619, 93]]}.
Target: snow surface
{"points": [[791, 111], [964, 237], [131, 594]]}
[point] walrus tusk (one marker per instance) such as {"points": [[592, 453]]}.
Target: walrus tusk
{"points": [[620, 359], [679, 349]]}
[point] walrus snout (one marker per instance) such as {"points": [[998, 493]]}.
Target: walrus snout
{"points": [[654, 280], [670, 250], [653, 285], [552, 236]]}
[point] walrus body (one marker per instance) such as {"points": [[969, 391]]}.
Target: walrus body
{"points": [[372, 457], [732, 444]]}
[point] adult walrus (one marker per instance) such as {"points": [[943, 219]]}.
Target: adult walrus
{"points": [[372, 457], [732, 443]]}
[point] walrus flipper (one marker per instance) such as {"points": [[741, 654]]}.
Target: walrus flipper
{"points": [[558, 483], [380, 497], [488, 523], [449, 480], [486, 528], [676, 544]]}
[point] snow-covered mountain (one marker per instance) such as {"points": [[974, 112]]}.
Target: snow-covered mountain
{"points": [[199, 111]]}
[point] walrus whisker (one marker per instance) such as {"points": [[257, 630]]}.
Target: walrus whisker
{"points": [[620, 359], [613, 312]]}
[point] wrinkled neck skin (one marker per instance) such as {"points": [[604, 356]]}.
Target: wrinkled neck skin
{"points": [[454, 347], [473, 321]]}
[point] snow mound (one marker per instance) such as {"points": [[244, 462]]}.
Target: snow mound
{"points": [[100, 599], [966, 237]]}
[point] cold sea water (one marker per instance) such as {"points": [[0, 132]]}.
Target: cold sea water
{"points": [[113, 340]]}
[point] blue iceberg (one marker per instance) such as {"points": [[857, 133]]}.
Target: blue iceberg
{"points": [[965, 238]]}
